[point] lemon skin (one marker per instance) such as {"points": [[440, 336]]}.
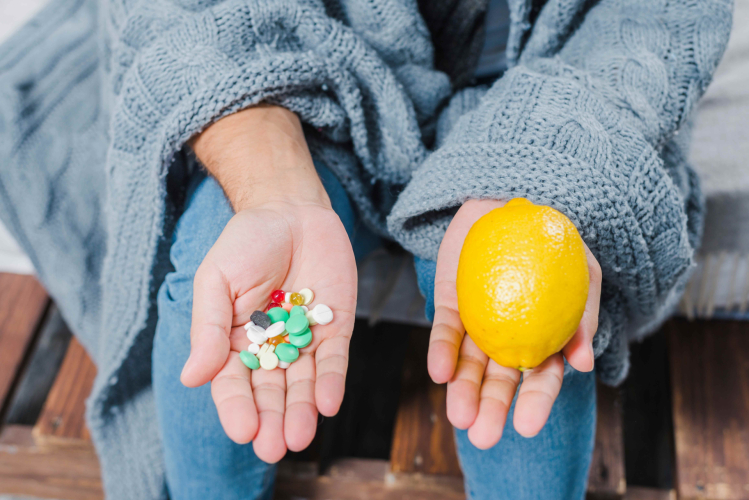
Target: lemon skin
{"points": [[522, 283]]}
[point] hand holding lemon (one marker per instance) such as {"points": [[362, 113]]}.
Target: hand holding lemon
{"points": [[519, 248]]}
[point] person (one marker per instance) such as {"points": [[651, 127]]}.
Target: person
{"points": [[169, 169]]}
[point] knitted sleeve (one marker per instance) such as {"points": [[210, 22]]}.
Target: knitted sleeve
{"points": [[357, 73], [580, 124]]}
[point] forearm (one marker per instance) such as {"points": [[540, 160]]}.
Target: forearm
{"points": [[259, 155]]}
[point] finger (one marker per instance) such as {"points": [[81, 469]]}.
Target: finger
{"points": [[444, 341], [447, 332], [579, 350], [300, 422], [232, 395], [463, 390], [211, 325], [538, 391], [331, 360], [269, 389], [497, 391]]}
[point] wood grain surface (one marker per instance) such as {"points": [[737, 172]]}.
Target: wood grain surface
{"points": [[26, 469], [710, 396], [362, 479], [62, 421], [23, 302], [423, 437], [607, 476]]}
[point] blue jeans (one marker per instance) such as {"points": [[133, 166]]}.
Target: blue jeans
{"points": [[202, 463]]}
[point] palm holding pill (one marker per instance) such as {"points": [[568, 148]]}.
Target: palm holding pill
{"points": [[288, 239]]}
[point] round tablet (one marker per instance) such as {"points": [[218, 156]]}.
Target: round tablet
{"points": [[254, 348], [269, 361], [302, 340], [249, 360], [297, 324], [308, 295], [283, 365], [275, 329], [278, 314], [256, 334], [297, 310], [287, 352], [322, 314]]}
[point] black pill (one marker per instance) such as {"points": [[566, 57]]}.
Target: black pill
{"points": [[260, 319]]}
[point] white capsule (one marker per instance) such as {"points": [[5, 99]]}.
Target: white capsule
{"points": [[276, 329], [254, 348], [322, 314], [257, 335], [283, 364], [287, 297], [269, 360], [308, 295]]}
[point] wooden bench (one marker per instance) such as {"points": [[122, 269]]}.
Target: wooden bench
{"points": [[709, 367]]}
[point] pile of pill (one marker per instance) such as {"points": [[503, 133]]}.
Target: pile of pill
{"points": [[277, 334]]}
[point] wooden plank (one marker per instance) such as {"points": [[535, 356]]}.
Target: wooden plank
{"points": [[40, 371], [710, 396], [22, 305], [26, 469], [62, 421], [607, 477], [362, 479], [639, 493], [423, 437]]}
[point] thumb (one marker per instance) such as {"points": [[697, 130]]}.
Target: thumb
{"points": [[212, 314]]}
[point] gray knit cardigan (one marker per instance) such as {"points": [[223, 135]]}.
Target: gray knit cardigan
{"points": [[97, 99]]}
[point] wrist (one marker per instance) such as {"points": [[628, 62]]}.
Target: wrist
{"points": [[260, 156]]}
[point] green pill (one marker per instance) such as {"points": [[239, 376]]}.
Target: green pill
{"points": [[297, 310], [278, 314], [302, 340], [296, 325], [249, 360], [287, 352]]}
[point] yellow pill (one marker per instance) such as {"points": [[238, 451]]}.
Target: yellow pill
{"points": [[297, 299]]}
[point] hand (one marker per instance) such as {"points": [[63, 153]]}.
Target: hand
{"points": [[275, 241], [479, 391]]}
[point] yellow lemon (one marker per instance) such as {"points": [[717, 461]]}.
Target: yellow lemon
{"points": [[522, 283]]}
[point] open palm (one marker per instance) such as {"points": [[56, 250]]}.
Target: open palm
{"points": [[278, 246], [479, 391]]}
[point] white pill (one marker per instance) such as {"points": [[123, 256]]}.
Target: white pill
{"points": [[284, 364], [308, 295], [306, 309], [311, 318], [276, 329], [269, 360], [287, 297], [254, 348], [257, 335], [248, 325], [322, 314], [263, 350]]}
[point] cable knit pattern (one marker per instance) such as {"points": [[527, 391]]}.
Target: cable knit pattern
{"points": [[584, 123], [98, 97]]}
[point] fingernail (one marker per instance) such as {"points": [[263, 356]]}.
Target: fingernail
{"points": [[592, 357]]}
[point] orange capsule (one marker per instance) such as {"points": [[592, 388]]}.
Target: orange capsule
{"points": [[275, 340]]}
